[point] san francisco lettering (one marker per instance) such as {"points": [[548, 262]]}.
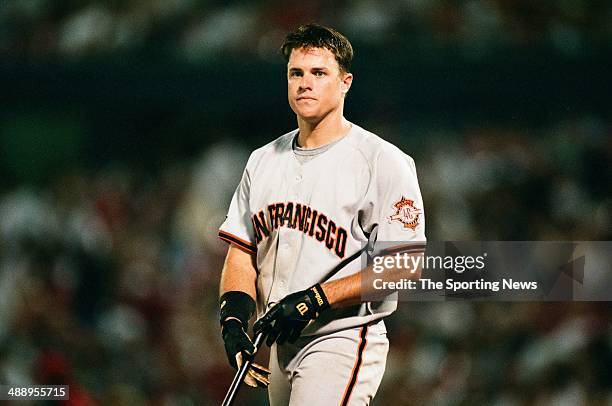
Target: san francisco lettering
{"points": [[300, 217]]}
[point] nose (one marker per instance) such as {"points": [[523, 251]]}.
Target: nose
{"points": [[305, 83]]}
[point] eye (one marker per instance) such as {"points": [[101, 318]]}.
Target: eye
{"points": [[319, 73], [295, 73]]}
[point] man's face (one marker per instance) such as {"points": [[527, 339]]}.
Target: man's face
{"points": [[315, 85]]}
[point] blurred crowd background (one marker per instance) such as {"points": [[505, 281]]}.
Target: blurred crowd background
{"points": [[124, 129]]}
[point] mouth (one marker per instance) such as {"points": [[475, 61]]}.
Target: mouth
{"points": [[305, 98]]}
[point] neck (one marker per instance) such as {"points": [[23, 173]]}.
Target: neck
{"points": [[325, 131]]}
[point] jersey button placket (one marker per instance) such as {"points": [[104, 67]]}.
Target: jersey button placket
{"points": [[282, 259], [286, 246], [296, 186]]}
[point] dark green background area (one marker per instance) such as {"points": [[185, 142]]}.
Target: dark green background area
{"points": [[148, 108]]}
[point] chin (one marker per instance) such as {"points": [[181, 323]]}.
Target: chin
{"points": [[308, 115], [311, 118]]}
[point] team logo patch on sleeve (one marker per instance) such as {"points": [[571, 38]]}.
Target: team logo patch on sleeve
{"points": [[406, 213]]}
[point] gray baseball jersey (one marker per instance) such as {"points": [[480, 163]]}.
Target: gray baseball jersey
{"points": [[300, 217]]}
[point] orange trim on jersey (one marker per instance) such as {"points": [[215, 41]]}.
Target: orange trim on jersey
{"points": [[240, 243], [355, 373]]}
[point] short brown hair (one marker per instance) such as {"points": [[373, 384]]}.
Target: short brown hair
{"points": [[317, 36]]}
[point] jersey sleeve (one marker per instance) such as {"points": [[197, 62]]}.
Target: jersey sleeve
{"points": [[394, 204], [237, 228]]}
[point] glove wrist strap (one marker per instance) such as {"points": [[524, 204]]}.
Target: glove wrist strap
{"points": [[231, 324], [318, 297]]}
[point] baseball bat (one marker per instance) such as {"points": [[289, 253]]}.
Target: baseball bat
{"points": [[230, 396]]}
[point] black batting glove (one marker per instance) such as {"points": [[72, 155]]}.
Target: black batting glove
{"points": [[235, 310], [236, 342], [286, 319]]}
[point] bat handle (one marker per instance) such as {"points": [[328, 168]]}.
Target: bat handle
{"points": [[239, 377]]}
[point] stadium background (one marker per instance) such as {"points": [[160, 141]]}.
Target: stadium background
{"points": [[124, 128]]}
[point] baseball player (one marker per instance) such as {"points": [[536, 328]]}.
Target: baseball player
{"points": [[307, 200]]}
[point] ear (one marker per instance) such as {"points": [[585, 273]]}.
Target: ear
{"points": [[347, 81]]}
